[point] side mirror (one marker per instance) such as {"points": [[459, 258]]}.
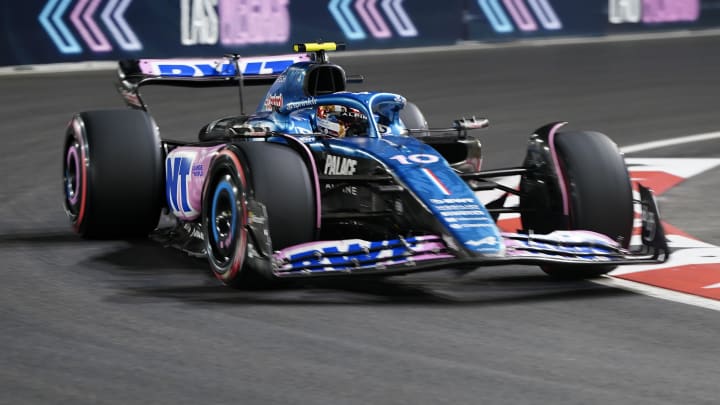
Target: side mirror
{"points": [[464, 124], [471, 123]]}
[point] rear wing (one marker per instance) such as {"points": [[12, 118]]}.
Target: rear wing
{"points": [[230, 70]]}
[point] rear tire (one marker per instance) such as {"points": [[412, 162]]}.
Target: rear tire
{"points": [[112, 174], [599, 191]]}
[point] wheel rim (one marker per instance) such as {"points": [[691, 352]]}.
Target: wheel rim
{"points": [[222, 222], [72, 174], [74, 181]]}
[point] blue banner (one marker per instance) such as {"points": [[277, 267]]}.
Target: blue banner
{"points": [[50, 31], [80, 30], [498, 20]]}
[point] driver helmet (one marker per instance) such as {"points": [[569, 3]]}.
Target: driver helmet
{"points": [[341, 121]]}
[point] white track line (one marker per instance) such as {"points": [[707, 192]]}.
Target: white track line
{"points": [[657, 292], [670, 142], [67, 67]]}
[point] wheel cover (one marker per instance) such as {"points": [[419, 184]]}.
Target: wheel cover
{"points": [[225, 217], [222, 222], [75, 176], [72, 176]]}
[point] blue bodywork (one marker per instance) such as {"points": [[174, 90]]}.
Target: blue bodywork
{"points": [[416, 166]]}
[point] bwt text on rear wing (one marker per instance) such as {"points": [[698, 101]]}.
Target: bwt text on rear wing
{"points": [[226, 71]]}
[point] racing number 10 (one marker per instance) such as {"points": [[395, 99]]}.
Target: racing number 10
{"points": [[419, 158]]}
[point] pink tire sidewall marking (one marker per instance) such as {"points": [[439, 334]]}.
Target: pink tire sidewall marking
{"points": [[239, 259], [72, 160], [81, 174]]}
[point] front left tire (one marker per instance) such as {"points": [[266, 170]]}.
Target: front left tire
{"points": [[255, 191]]}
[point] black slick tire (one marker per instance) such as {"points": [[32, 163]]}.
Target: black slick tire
{"points": [[112, 174], [599, 193], [271, 174]]}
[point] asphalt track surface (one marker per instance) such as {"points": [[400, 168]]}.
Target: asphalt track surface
{"points": [[114, 322]]}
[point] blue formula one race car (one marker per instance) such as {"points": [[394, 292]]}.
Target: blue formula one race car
{"points": [[321, 181]]}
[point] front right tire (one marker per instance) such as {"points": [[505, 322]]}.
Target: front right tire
{"points": [[597, 196]]}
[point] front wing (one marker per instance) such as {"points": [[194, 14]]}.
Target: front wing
{"points": [[428, 252]]}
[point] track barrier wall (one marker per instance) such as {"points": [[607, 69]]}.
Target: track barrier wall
{"points": [[54, 31]]}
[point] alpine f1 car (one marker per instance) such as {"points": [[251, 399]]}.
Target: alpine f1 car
{"points": [[322, 181]]}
